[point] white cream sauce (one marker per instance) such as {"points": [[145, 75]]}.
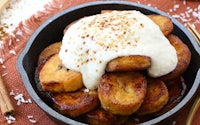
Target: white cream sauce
{"points": [[90, 43]]}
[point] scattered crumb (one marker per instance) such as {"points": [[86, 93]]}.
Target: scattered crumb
{"points": [[10, 19], [149, 4], [3, 66], [184, 2], [86, 90], [30, 116], [176, 6], [31, 119], [186, 16], [4, 74], [1, 60], [29, 101], [20, 99], [10, 119], [12, 93], [12, 52]]}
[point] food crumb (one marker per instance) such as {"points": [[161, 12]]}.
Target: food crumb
{"points": [[1, 60], [176, 6], [29, 100], [12, 52], [3, 66], [187, 15], [30, 116], [12, 93], [149, 4], [20, 99], [31, 119], [86, 90], [4, 74], [10, 119], [184, 2]]}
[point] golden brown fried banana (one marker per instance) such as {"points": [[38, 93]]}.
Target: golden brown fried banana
{"points": [[69, 25], [177, 90], [165, 24], [102, 117], [122, 93], [50, 50], [75, 103], [129, 63], [105, 11], [184, 57], [54, 77], [156, 98]]}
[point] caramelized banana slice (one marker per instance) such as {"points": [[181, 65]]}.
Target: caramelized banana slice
{"points": [[105, 11], [156, 97], [165, 23], [69, 25], [102, 117], [75, 103], [184, 57], [50, 50], [122, 93], [54, 77], [177, 90], [129, 63]]}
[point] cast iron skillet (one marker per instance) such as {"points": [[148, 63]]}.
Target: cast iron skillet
{"points": [[52, 31]]}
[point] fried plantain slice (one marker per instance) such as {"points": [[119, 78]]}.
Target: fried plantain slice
{"points": [[75, 103], [54, 77], [106, 11], [177, 89], [102, 117], [50, 50], [184, 57], [122, 93], [69, 25], [129, 63], [165, 24], [156, 98]]}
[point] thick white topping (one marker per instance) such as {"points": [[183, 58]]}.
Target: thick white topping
{"points": [[90, 43]]}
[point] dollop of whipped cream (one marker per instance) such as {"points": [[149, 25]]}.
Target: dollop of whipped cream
{"points": [[91, 42]]}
